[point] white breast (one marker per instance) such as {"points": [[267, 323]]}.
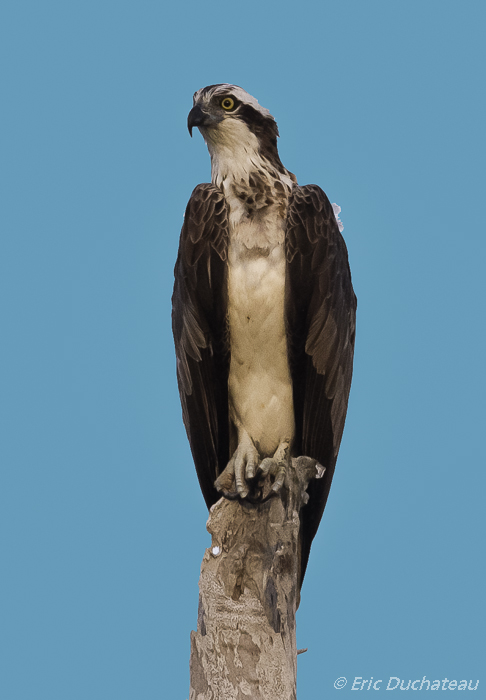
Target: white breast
{"points": [[260, 387]]}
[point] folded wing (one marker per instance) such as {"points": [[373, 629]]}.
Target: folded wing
{"points": [[321, 313], [199, 323]]}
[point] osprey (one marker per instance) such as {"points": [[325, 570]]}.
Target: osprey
{"points": [[263, 313]]}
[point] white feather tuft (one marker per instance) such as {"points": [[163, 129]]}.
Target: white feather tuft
{"points": [[337, 210]]}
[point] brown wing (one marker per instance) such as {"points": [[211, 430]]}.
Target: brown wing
{"points": [[321, 313], [199, 324]]}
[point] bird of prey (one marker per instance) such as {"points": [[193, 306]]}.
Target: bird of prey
{"points": [[263, 312]]}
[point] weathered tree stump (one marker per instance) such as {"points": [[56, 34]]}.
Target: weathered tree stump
{"points": [[244, 647]]}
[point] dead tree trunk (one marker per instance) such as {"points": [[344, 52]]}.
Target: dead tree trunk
{"points": [[244, 647]]}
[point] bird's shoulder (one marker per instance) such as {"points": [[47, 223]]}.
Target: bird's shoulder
{"points": [[205, 226], [310, 216]]}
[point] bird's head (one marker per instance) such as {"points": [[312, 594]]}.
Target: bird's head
{"points": [[233, 124], [218, 106]]}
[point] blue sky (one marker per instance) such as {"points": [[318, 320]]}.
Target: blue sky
{"points": [[102, 526]]}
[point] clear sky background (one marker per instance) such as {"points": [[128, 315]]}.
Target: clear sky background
{"points": [[102, 522]]}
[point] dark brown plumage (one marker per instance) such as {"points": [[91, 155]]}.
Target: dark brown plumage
{"points": [[320, 323]]}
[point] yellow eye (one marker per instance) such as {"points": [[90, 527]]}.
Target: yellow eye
{"points": [[228, 103]]}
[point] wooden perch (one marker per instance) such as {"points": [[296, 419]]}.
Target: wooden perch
{"points": [[244, 647]]}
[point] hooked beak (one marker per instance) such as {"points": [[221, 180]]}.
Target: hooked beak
{"points": [[196, 118]]}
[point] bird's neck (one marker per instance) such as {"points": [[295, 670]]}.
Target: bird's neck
{"points": [[237, 158]]}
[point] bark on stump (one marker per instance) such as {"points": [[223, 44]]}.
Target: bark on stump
{"points": [[244, 647]]}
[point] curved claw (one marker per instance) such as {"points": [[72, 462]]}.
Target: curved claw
{"points": [[254, 498], [237, 481], [239, 471], [230, 495], [270, 494], [268, 466], [280, 477]]}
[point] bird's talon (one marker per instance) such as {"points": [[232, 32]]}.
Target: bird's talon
{"points": [[243, 477], [230, 495], [270, 494], [267, 466]]}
